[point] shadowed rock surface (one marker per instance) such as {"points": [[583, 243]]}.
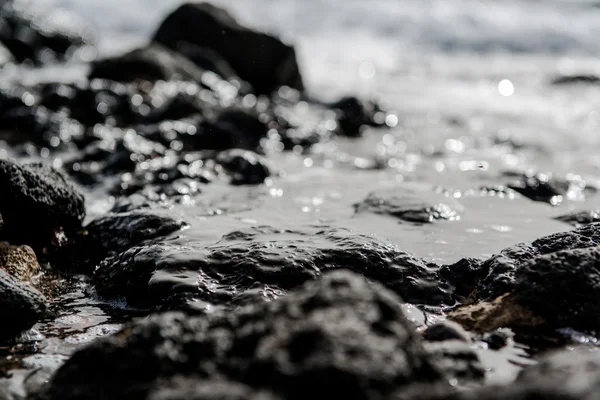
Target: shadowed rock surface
{"points": [[263, 263], [34, 195], [20, 305], [548, 189], [337, 334], [261, 60]]}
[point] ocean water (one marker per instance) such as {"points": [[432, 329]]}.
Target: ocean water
{"points": [[461, 76]]}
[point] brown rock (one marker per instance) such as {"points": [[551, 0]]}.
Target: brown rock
{"points": [[19, 261]]}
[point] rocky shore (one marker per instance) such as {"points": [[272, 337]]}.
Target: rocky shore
{"points": [[129, 305]]}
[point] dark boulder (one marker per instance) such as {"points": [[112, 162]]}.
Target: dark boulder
{"points": [[338, 334], [261, 60], [262, 263], [20, 306], [151, 63], [576, 79], [446, 330], [36, 202]]}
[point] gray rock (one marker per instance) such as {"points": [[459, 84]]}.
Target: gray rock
{"points": [[338, 334], [262, 263]]}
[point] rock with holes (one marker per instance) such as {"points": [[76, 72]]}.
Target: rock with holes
{"points": [[37, 201], [262, 263], [113, 234], [19, 261], [338, 334], [260, 59]]}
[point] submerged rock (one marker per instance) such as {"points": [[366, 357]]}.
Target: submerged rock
{"points": [[20, 305], [19, 261], [552, 190], [581, 218], [338, 334], [410, 206], [36, 202], [261, 60], [151, 63], [263, 263], [572, 79]]}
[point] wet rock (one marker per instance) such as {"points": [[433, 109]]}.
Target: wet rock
{"points": [[353, 114], [497, 274], [566, 375], [456, 359], [557, 290], [498, 339], [261, 60], [19, 261], [446, 330], [581, 218], [115, 233], [552, 190], [261, 263], [37, 201], [575, 79], [216, 389], [42, 38], [245, 167], [151, 63], [337, 335], [410, 206], [20, 305], [232, 128], [207, 59]]}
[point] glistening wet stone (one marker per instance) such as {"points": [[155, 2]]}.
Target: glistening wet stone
{"points": [[409, 205], [263, 263], [338, 333]]}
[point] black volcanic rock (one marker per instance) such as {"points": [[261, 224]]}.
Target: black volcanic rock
{"points": [[261, 60], [498, 272], [262, 263], [20, 305], [36, 202], [338, 334]]}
